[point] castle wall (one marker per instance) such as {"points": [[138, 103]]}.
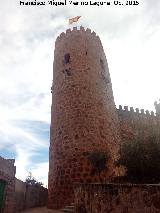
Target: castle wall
{"points": [[117, 198], [83, 114], [29, 196], [135, 123], [7, 174], [20, 195]]}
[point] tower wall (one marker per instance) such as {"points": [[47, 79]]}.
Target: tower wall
{"points": [[83, 114]]}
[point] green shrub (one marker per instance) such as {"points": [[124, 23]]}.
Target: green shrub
{"points": [[98, 160], [142, 160]]}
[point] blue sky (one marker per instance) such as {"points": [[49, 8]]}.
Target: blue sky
{"points": [[130, 37]]}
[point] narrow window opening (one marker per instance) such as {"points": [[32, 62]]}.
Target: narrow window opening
{"points": [[67, 58]]}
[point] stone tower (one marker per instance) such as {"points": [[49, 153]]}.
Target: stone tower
{"points": [[83, 114]]}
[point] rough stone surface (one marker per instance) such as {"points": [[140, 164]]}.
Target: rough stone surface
{"points": [[83, 114], [84, 117], [117, 198], [41, 210], [136, 123], [7, 174]]}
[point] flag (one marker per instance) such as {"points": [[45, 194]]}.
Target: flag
{"points": [[75, 19]]}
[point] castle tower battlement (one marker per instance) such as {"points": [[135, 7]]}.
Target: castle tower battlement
{"points": [[76, 31], [136, 111], [84, 118]]}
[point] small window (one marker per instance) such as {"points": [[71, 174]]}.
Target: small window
{"points": [[67, 58]]}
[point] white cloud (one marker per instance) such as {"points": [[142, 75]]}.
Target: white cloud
{"points": [[40, 171]]}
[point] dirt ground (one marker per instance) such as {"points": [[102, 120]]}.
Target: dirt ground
{"points": [[41, 210]]}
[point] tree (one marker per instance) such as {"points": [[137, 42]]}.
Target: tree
{"points": [[142, 160], [30, 180], [98, 160]]}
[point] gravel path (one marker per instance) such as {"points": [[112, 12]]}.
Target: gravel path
{"points": [[41, 210]]}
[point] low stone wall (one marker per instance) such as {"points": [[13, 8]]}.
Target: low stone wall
{"points": [[36, 196], [117, 198], [7, 174], [20, 195], [28, 196]]}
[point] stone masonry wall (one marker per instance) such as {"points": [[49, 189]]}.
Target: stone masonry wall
{"points": [[20, 195], [137, 123], [117, 198], [83, 114], [36, 196], [7, 174], [27, 196]]}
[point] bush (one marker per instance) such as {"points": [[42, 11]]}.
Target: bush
{"points": [[32, 181], [98, 160], [142, 160]]}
